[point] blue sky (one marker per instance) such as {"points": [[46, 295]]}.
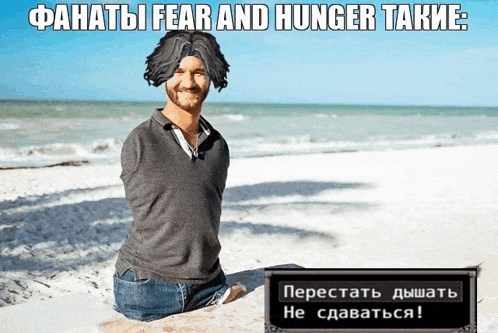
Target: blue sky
{"points": [[453, 68]]}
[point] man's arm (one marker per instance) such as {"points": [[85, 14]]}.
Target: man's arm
{"points": [[130, 156]]}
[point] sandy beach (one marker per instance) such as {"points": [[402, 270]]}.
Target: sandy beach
{"points": [[61, 227]]}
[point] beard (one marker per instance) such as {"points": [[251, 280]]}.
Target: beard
{"points": [[188, 99]]}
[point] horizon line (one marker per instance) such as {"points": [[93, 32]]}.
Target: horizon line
{"points": [[74, 100]]}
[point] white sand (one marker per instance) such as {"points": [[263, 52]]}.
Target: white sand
{"points": [[61, 228]]}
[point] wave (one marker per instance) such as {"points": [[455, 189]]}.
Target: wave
{"points": [[45, 155], [308, 145], [8, 126], [262, 143], [231, 117], [326, 115], [487, 136]]}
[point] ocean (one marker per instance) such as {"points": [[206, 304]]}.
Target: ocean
{"points": [[35, 133]]}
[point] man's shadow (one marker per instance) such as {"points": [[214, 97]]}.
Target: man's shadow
{"points": [[254, 278]]}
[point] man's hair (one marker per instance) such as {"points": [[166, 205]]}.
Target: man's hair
{"points": [[176, 45]]}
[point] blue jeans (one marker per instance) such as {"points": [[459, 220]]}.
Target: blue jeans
{"points": [[150, 299]]}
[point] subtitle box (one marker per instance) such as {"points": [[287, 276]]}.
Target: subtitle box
{"points": [[371, 300]]}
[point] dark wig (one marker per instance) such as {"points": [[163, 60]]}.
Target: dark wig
{"points": [[176, 45]]}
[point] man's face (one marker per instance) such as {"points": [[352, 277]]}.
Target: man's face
{"points": [[189, 87]]}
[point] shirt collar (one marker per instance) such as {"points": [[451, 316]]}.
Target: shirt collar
{"points": [[161, 118], [204, 126]]}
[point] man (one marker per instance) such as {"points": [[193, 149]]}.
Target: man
{"points": [[174, 168]]}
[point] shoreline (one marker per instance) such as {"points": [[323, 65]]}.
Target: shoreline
{"points": [[79, 162], [413, 208], [61, 164]]}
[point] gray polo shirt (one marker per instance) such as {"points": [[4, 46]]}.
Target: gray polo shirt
{"points": [[175, 201]]}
